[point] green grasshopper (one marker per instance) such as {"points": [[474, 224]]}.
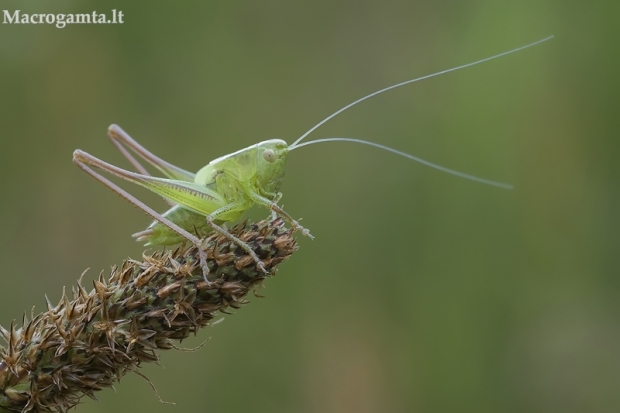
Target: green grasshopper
{"points": [[228, 186]]}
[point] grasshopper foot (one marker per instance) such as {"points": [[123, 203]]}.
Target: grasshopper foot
{"points": [[257, 260], [203, 263], [304, 231], [261, 266]]}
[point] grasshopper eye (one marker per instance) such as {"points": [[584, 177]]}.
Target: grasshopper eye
{"points": [[269, 155]]}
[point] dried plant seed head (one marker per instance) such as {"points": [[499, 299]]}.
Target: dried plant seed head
{"points": [[87, 343]]}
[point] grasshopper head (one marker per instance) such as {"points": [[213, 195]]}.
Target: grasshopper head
{"points": [[271, 164]]}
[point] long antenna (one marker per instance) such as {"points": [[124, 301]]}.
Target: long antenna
{"points": [[406, 155], [415, 80]]}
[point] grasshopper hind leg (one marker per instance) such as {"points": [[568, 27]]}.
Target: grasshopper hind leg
{"points": [[85, 161]]}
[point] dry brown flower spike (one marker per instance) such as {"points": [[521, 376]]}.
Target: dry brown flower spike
{"points": [[89, 342]]}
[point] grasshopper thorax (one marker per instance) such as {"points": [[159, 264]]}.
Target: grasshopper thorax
{"points": [[260, 167]]}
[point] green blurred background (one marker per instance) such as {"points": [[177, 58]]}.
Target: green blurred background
{"points": [[422, 292]]}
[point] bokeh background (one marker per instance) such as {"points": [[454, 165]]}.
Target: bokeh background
{"points": [[422, 292]]}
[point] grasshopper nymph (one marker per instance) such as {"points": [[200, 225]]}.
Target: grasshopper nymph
{"points": [[228, 186]]}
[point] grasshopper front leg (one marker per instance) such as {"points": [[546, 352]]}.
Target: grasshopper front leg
{"points": [[276, 196], [261, 200]]}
